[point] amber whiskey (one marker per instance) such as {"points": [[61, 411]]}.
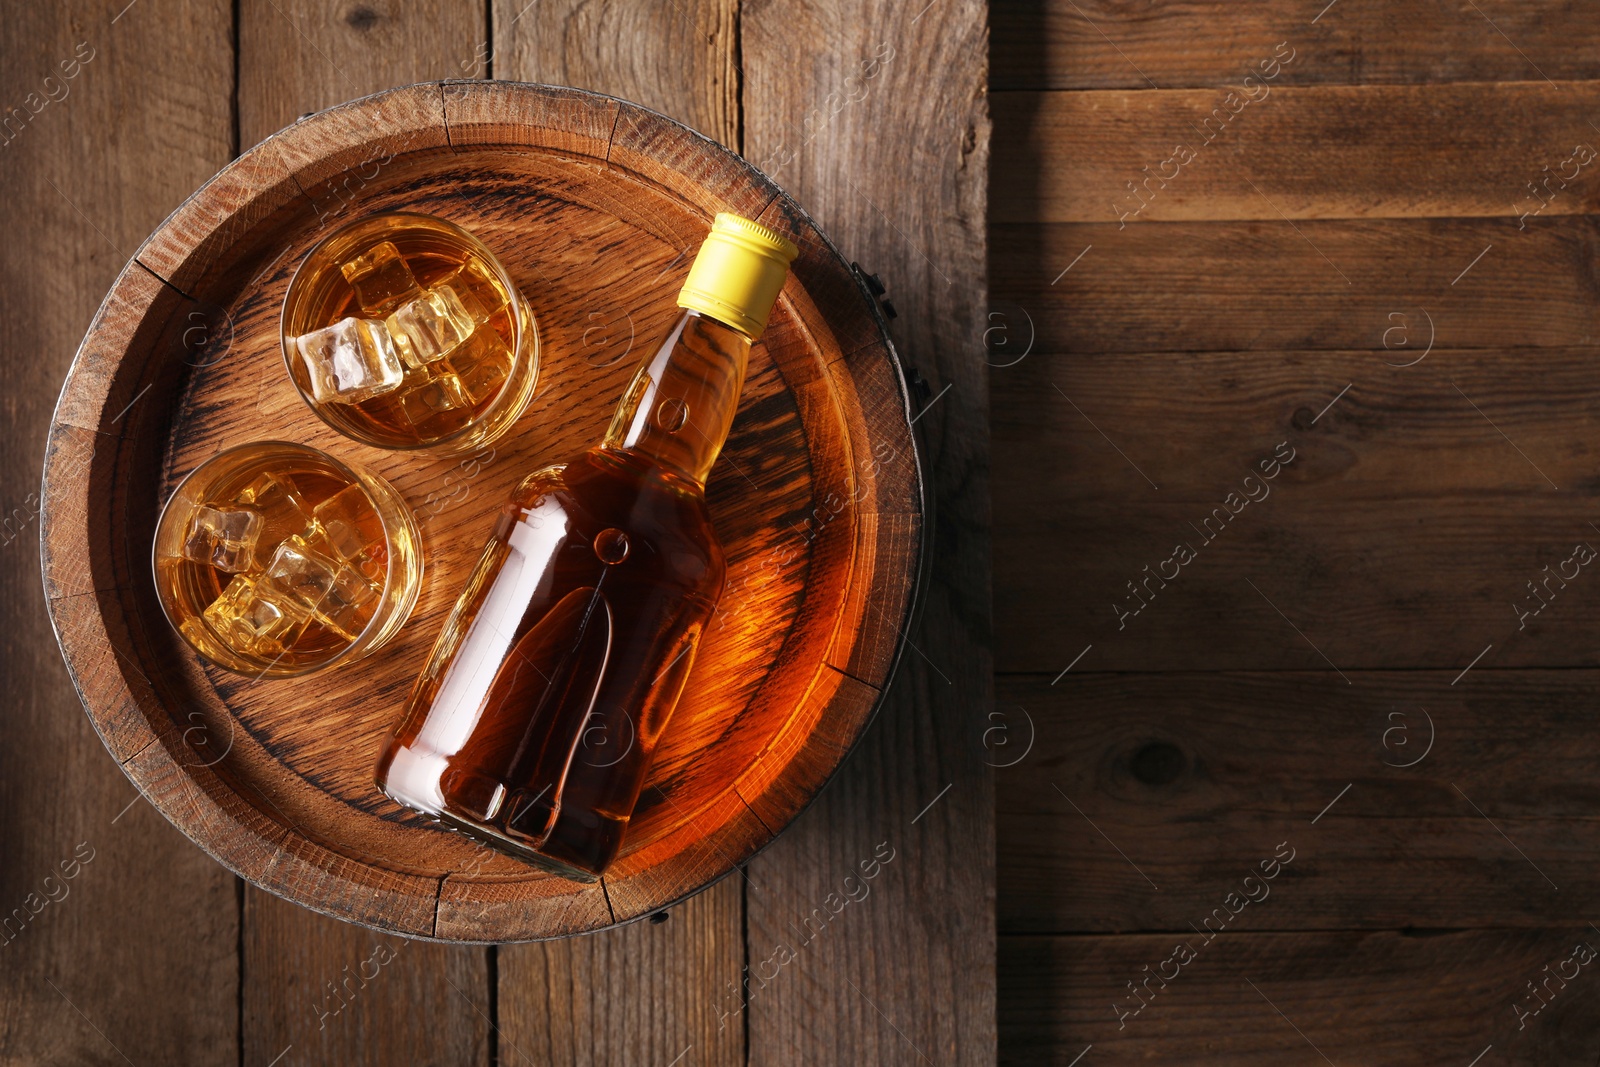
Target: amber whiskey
{"points": [[533, 723], [276, 559], [405, 331]]}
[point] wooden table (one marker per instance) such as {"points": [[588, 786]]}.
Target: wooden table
{"points": [[125, 942], [1343, 262]]}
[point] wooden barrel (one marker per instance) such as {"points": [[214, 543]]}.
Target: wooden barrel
{"points": [[596, 206]]}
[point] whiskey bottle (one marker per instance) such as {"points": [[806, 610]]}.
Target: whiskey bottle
{"points": [[532, 725]]}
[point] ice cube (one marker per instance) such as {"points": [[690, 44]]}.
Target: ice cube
{"points": [[336, 594], [431, 326], [479, 293], [350, 525], [224, 538], [283, 511], [436, 394], [350, 361], [254, 618], [381, 278], [482, 363]]}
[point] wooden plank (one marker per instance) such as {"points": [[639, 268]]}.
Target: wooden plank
{"points": [[1409, 767], [1278, 151], [1311, 285], [675, 56], [643, 993], [322, 991], [1417, 503], [97, 887], [896, 967], [1448, 572], [1100, 44], [296, 58], [1198, 421], [1254, 1000]]}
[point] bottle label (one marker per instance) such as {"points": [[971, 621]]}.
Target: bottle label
{"points": [[532, 546]]}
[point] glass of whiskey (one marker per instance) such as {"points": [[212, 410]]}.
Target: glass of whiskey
{"points": [[274, 559], [403, 330]]}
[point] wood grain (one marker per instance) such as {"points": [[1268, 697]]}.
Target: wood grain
{"points": [[1205, 419], [644, 993], [1102, 44], [1416, 504], [330, 992], [1354, 997], [673, 56], [1141, 760], [297, 57], [887, 87], [1278, 150], [1312, 285], [1449, 572], [105, 887]]}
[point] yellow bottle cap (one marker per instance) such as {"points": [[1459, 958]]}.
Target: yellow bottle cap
{"points": [[737, 274]]}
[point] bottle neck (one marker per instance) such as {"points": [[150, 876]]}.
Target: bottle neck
{"points": [[680, 405]]}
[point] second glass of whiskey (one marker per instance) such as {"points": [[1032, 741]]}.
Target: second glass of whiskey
{"points": [[403, 330], [274, 559]]}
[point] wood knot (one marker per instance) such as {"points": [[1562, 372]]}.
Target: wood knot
{"points": [[362, 18], [1157, 763]]}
